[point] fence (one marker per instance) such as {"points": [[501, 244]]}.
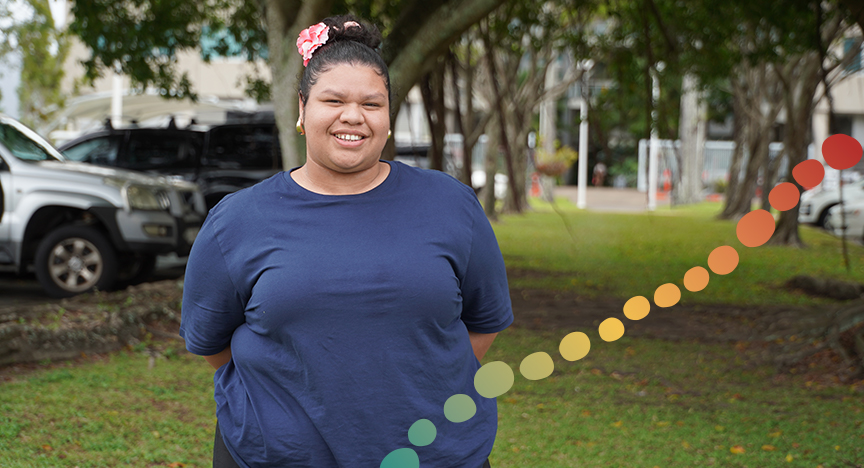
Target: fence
{"points": [[717, 162]]}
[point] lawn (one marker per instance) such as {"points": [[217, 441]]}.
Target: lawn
{"points": [[625, 255], [631, 403], [635, 402]]}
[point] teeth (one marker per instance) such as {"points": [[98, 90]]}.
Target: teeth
{"points": [[349, 137]]}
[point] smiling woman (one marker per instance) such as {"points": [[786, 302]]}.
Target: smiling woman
{"points": [[346, 128], [343, 300]]}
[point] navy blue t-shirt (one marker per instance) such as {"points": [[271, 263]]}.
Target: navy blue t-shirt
{"points": [[348, 319]]}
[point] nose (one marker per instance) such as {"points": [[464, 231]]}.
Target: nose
{"points": [[351, 114]]}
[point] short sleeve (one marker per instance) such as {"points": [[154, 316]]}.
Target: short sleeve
{"points": [[212, 307], [485, 295]]}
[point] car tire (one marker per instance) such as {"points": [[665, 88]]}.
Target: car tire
{"points": [[75, 259], [823, 216], [135, 269]]}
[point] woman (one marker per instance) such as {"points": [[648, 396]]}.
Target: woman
{"points": [[344, 300]]}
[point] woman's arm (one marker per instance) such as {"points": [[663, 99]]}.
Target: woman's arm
{"points": [[222, 357], [480, 342]]}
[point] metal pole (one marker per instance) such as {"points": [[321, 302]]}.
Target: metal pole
{"points": [[117, 100], [582, 176], [654, 147]]}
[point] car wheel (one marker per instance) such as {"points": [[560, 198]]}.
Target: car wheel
{"points": [[75, 259], [821, 222], [135, 269]]}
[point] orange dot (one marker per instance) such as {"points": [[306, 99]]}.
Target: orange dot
{"points": [[723, 260], [784, 197], [809, 173], [696, 279], [755, 228], [667, 295], [637, 308]]}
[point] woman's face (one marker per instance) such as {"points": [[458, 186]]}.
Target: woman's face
{"points": [[346, 119]]}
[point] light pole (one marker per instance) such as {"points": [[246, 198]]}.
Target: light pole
{"points": [[582, 175], [654, 146]]}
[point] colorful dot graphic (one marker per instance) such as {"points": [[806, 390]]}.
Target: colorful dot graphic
{"points": [[753, 230]]}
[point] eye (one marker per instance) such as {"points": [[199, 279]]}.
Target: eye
{"points": [[372, 104]]}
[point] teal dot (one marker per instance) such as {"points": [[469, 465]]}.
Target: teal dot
{"points": [[459, 408], [401, 458], [422, 433]]}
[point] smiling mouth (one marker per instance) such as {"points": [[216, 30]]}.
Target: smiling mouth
{"points": [[347, 137]]}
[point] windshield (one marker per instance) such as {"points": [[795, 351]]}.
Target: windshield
{"points": [[24, 143]]}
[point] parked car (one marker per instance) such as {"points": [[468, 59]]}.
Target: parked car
{"points": [[82, 227], [854, 220], [816, 202], [221, 160]]}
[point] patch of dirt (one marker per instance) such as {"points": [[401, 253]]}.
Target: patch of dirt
{"points": [[562, 310], [81, 328]]}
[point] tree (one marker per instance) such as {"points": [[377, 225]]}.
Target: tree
{"points": [[801, 78], [521, 41], [142, 38], [43, 53]]}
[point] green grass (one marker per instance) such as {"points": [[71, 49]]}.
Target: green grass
{"points": [[112, 413], [631, 403], [646, 403], [625, 255], [635, 402]]}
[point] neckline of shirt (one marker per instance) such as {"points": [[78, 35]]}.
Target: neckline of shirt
{"points": [[293, 186]]}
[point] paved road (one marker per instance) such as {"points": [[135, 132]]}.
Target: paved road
{"points": [[15, 290], [608, 198]]}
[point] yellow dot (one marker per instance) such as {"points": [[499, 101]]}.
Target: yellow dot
{"points": [[611, 329], [575, 346], [637, 308], [537, 366], [696, 279], [667, 295], [493, 379]]}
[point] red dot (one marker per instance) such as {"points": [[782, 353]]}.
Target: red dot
{"points": [[841, 151], [784, 197], [809, 173], [755, 228]]}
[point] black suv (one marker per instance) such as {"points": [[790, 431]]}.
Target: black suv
{"points": [[221, 160]]}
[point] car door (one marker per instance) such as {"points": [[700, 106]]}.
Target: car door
{"points": [[238, 156], [5, 218], [163, 152]]}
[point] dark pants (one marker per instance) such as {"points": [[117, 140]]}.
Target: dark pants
{"points": [[222, 457]]}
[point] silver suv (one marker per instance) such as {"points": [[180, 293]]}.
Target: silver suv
{"points": [[80, 226]]}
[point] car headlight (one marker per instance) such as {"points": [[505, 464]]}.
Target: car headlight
{"points": [[140, 197]]}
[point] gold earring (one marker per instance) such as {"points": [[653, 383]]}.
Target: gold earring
{"points": [[389, 133], [299, 127]]}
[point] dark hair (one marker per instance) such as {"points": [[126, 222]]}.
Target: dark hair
{"points": [[352, 45]]}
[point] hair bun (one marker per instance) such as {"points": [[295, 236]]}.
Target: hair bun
{"points": [[364, 33]]}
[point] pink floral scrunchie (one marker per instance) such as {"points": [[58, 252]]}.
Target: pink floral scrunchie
{"points": [[310, 39]]}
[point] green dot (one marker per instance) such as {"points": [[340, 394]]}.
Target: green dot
{"points": [[459, 408], [493, 379], [422, 433], [401, 458]]}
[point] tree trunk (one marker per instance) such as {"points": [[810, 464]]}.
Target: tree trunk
{"points": [[513, 186], [800, 83], [432, 90], [739, 135], [691, 130], [490, 166], [462, 124], [285, 20]]}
